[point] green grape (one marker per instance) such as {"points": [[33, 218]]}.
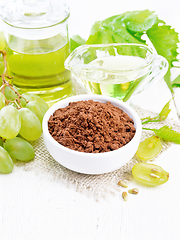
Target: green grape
{"points": [[19, 148], [23, 102], [37, 109], [2, 100], [14, 95], [10, 122], [34, 97], [149, 148], [6, 163], [9, 93], [149, 174], [30, 125]]}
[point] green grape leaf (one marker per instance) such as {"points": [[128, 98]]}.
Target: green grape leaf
{"points": [[176, 82], [96, 27], [164, 112], [116, 19], [113, 30], [165, 39], [104, 35], [140, 21], [160, 117], [76, 41], [167, 79], [122, 35], [168, 134]]}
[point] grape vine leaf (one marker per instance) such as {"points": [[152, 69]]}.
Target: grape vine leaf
{"points": [[140, 21], [176, 82], [164, 112], [161, 116], [76, 41], [167, 79], [165, 39], [168, 134], [117, 29]]}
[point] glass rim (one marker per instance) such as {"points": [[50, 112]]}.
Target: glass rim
{"points": [[47, 16], [37, 28], [115, 71]]}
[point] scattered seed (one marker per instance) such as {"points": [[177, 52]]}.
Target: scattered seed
{"points": [[122, 184], [154, 175], [150, 145], [133, 191], [155, 170], [125, 196]]}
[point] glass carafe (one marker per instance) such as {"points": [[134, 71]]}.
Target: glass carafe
{"points": [[36, 34]]}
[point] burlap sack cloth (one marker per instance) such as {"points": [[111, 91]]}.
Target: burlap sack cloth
{"points": [[98, 185]]}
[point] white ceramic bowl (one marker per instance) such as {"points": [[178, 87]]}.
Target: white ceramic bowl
{"points": [[92, 163]]}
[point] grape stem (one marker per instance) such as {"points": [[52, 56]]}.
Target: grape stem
{"points": [[3, 139], [150, 129], [149, 119], [6, 83]]}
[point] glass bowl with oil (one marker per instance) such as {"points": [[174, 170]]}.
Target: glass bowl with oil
{"points": [[117, 70]]}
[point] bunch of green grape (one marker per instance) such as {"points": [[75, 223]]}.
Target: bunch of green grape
{"points": [[19, 124]]}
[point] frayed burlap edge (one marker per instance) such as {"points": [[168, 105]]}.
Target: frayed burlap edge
{"points": [[100, 186]]}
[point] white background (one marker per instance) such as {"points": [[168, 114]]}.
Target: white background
{"points": [[85, 13], [35, 208]]}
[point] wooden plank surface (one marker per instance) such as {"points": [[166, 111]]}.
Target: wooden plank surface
{"points": [[33, 207]]}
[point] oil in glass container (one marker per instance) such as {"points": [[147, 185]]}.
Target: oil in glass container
{"points": [[37, 40]]}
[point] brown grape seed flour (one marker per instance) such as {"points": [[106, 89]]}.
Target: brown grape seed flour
{"points": [[91, 126]]}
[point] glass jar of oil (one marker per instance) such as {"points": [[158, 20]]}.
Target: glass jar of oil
{"points": [[37, 42]]}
